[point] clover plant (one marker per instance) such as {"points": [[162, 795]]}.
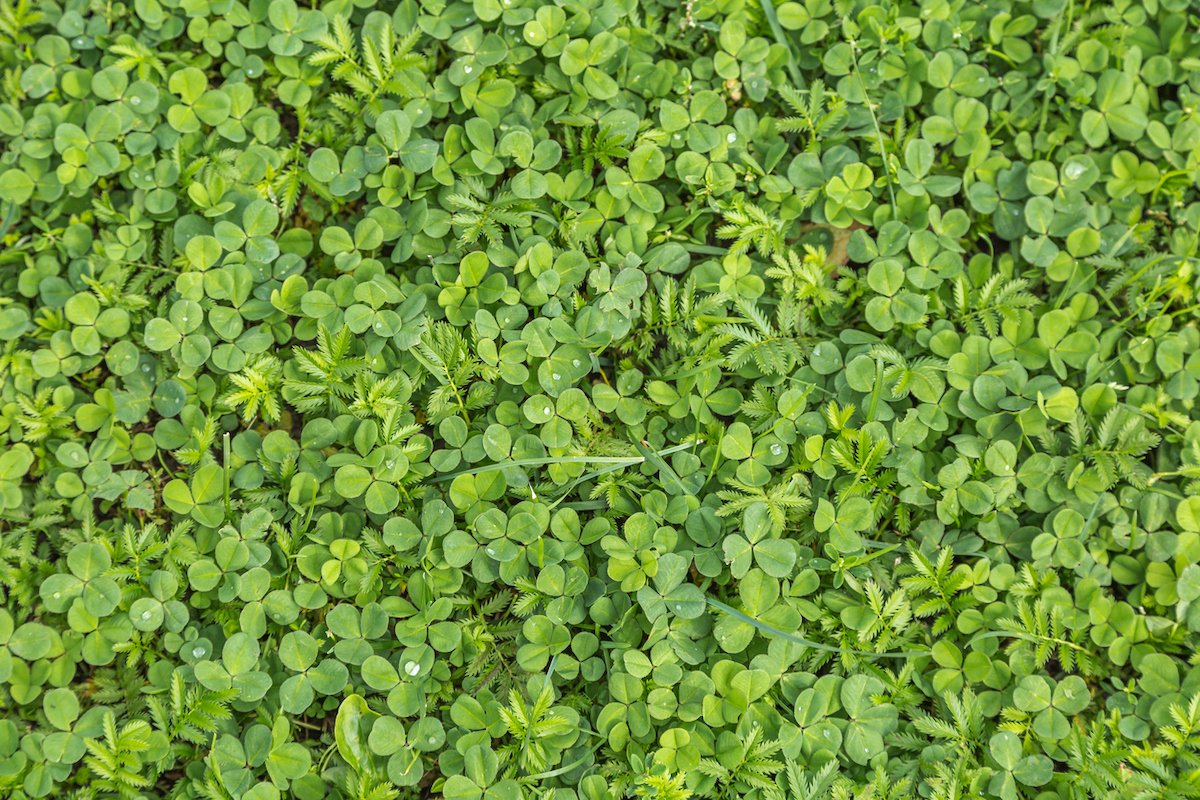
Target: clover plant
{"points": [[599, 399]]}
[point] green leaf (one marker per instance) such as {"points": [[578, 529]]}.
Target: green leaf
{"points": [[351, 732]]}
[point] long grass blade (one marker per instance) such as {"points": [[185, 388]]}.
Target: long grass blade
{"points": [[663, 467], [771, 630], [768, 8], [618, 461]]}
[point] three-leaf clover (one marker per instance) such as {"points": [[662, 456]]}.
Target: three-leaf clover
{"points": [[299, 651], [236, 670]]}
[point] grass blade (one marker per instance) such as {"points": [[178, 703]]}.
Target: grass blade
{"points": [[768, 8], [771, 630], [617, 461]]}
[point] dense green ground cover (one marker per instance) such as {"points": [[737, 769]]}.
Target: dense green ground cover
{"points": [[580, 400]]}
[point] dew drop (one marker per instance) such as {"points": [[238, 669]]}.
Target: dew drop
{"points": [[137, 101], [556, 376], [467, 69], [491, 552], [432, 740], [79, 42], [575, 362], [677, 136], [199, 651], [378, 325], [1073, 170], [133, 174], [678, 607], [249, 72], [391, 464], [412, 668], [548, 409], [776, 450], [57, 595], [145, 367], [145, 615], [185, 319]]}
